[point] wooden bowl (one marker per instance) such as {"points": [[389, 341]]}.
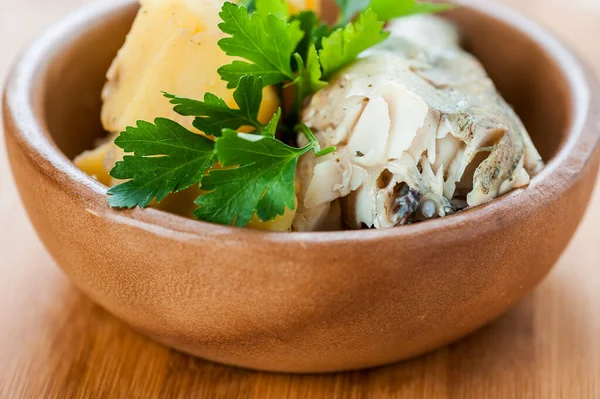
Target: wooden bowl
{"points": [[301, 302]]}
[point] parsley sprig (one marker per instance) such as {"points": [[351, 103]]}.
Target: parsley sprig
{"points": [[243, 175], [345, 44], [261, 184], [267, 42], [387, 10], [166, 158], [213, 115]]}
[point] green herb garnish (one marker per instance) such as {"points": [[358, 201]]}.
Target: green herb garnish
{"points": [[345, 44], [261, 184], [213, 115], [349, 9], [166, 158], [268, 42], [279, 8], [389, 9]]}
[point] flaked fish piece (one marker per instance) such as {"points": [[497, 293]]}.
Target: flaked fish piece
{"points": [[421, 132]]}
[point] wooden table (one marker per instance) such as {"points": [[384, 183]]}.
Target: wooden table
{"points": [[55, 343]]}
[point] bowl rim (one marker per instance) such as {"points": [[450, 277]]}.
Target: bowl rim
{"points": [[22, 107]]}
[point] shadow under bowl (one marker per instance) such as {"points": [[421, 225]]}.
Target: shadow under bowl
{"points": [[301, 302]]}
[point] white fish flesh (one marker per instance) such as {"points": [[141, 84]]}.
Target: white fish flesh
{"points": [[421, 132]]}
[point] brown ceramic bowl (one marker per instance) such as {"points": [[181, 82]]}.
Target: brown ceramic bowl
{"points": [[301, 302]]}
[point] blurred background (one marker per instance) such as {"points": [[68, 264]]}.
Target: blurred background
{"points": [[52, 339]]}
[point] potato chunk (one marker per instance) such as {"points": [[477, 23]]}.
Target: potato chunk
{"points": [[172, 47]]}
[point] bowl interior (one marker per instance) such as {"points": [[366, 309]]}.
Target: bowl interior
{"points": [[75, 77], [523, 71]]}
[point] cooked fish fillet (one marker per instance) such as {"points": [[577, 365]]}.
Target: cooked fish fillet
{"points": [[421, 132]]}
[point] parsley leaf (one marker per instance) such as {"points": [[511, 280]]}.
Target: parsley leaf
{"points": [[271, 128], [258, 179], [166, 158], [266, 41], [314, 31], [279, 8], [390, 9], [349, 9], [213, 114], [345, 44], [249, 4], [309, 75], [306, 58]]}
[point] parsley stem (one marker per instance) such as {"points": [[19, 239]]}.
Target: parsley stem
{"points": [[300, 92], [310, 136], [326, 151]]}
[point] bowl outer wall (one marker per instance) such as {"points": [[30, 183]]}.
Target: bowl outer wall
{"points": [[299, 302]]}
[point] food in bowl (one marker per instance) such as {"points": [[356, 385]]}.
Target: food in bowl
{"points": [[379, 121]]}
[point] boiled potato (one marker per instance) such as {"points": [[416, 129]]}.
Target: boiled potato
{"points": [[92, 162], [172, 47], [299, 5]]}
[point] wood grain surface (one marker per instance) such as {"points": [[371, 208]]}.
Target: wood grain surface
{"points": [[55, 343]]}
